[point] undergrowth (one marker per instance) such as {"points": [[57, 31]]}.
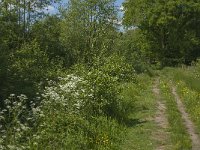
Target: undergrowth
{"points": [[81, 110]]}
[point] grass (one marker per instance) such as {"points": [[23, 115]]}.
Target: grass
{"points": [[191, 100], [188, 88], [178, 135], [188, 77], [140, 126]]}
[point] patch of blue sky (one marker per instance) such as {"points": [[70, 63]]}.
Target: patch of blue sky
{"points": [[119, 2], [54, 9]]}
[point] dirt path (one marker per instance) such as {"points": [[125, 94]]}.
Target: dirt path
{"points": [[161, 134], [188, 123]]}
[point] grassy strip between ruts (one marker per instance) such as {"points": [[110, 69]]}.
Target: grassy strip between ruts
{"points": [[179, 138], [141, 125]]}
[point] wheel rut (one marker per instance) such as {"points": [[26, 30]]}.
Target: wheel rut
{"points": [[187, 121], [160, 135]]}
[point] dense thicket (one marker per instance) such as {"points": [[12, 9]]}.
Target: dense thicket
{"points": [[61, 76], [17, 19]]}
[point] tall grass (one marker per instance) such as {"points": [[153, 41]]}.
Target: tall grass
{"points": [[187, 76], [188, 87]]}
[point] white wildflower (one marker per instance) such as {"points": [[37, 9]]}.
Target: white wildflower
{"points": [[12, 95]]}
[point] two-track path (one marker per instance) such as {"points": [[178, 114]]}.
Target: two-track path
{"points": [[161, 135]]}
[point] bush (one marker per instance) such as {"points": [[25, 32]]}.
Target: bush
{"points": [[66, 118], [106, 90], [63, 131], [116, 66], [31, 63], [80, 110], [29, 69], [95, 93]]}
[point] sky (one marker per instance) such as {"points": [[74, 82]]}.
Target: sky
{"points": [[52, 10], [119, 2]]}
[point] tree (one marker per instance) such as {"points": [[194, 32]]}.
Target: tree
{"points": [[168, 25], [16, 19], [87, 29], [9, 40], [47, 34], [28, 70]]}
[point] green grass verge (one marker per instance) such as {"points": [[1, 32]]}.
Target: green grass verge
{"points": [[188, 88], [141, 125], [189, 78], [191, 100], [186, 75]]}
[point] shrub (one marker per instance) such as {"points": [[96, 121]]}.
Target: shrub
{"points": [[31, 63], [63, 119], [80, 110], [116, 66], [106, 91], [94, 93], [29, 69], [63, 131]]}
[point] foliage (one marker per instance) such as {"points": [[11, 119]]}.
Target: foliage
{"points": [[74, 109], [106, 89], [87, 29], [9, 40], [14, 119], [116, 66], [79, 73], [30, 60], [134, 46], [29, 69], [46, 33], [170, 27]]}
